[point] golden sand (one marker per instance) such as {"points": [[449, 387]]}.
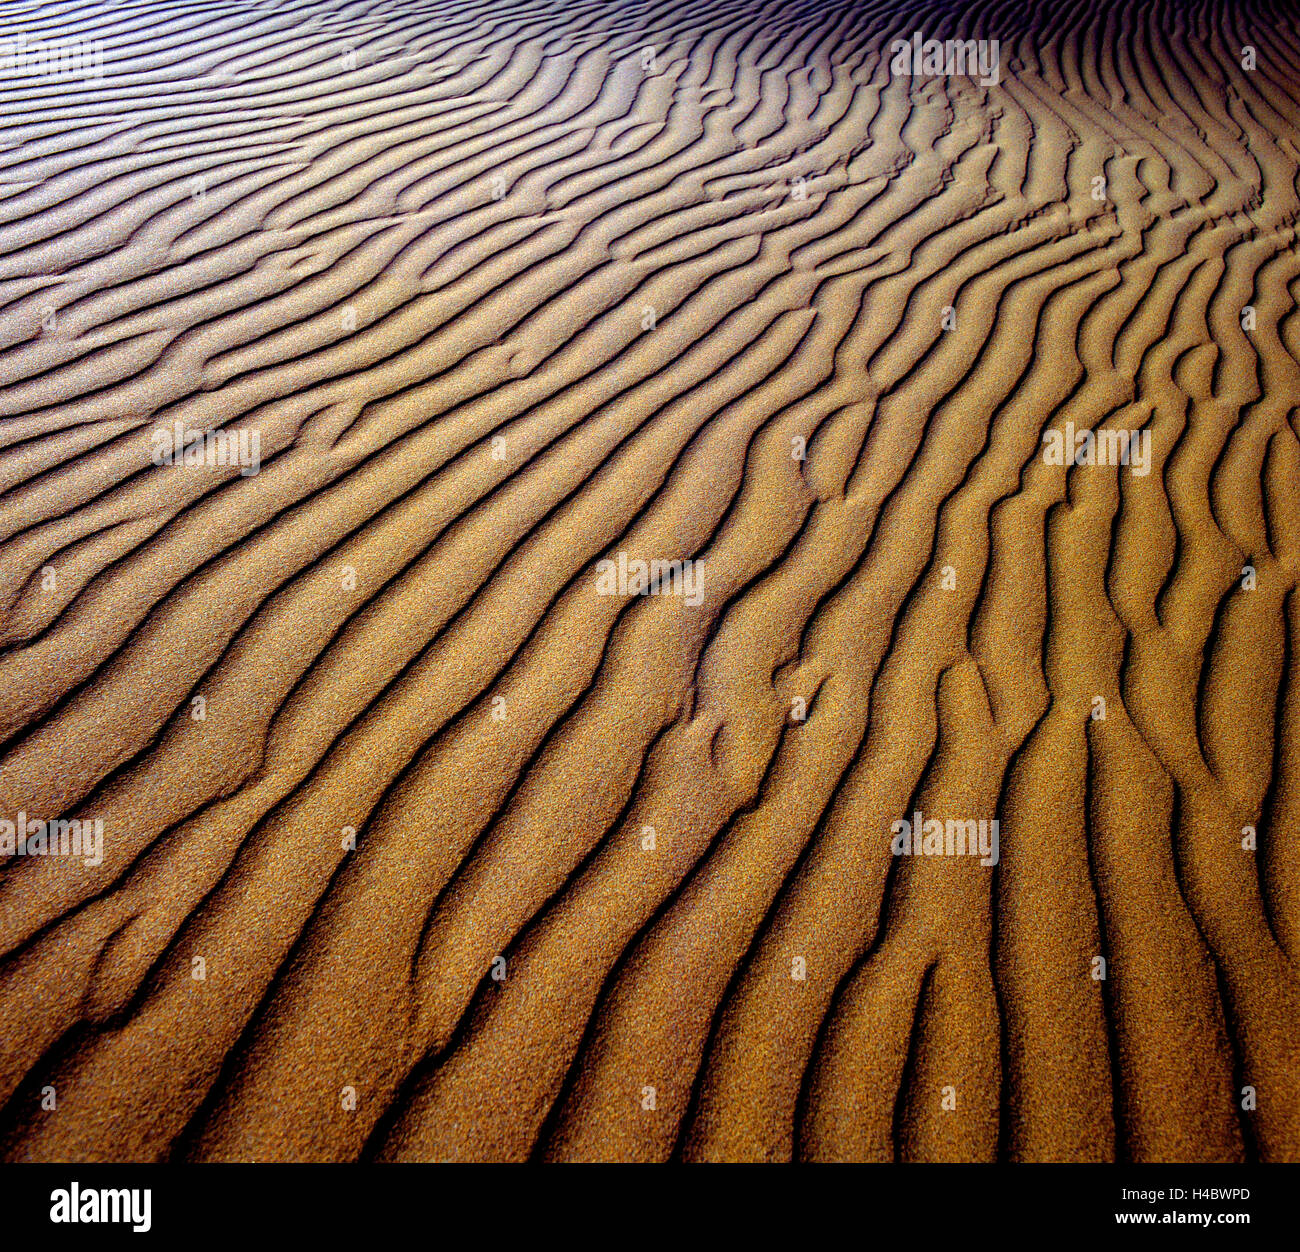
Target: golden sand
{"points": [[421, 844]]}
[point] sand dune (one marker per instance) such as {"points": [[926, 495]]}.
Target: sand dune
{"points": [[422, 843]]}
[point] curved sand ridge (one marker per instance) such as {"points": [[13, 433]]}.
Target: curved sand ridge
{"points": [[507, 289]]}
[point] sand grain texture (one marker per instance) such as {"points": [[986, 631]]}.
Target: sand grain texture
{"points": [[503, 294]]}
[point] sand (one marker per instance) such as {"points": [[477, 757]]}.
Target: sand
{"points": [[969, 398]]}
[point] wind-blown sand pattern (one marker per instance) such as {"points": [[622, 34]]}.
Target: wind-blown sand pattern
{"points": [[508, 289]]}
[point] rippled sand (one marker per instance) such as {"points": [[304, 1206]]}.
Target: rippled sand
{"points": [[421, 843]]}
